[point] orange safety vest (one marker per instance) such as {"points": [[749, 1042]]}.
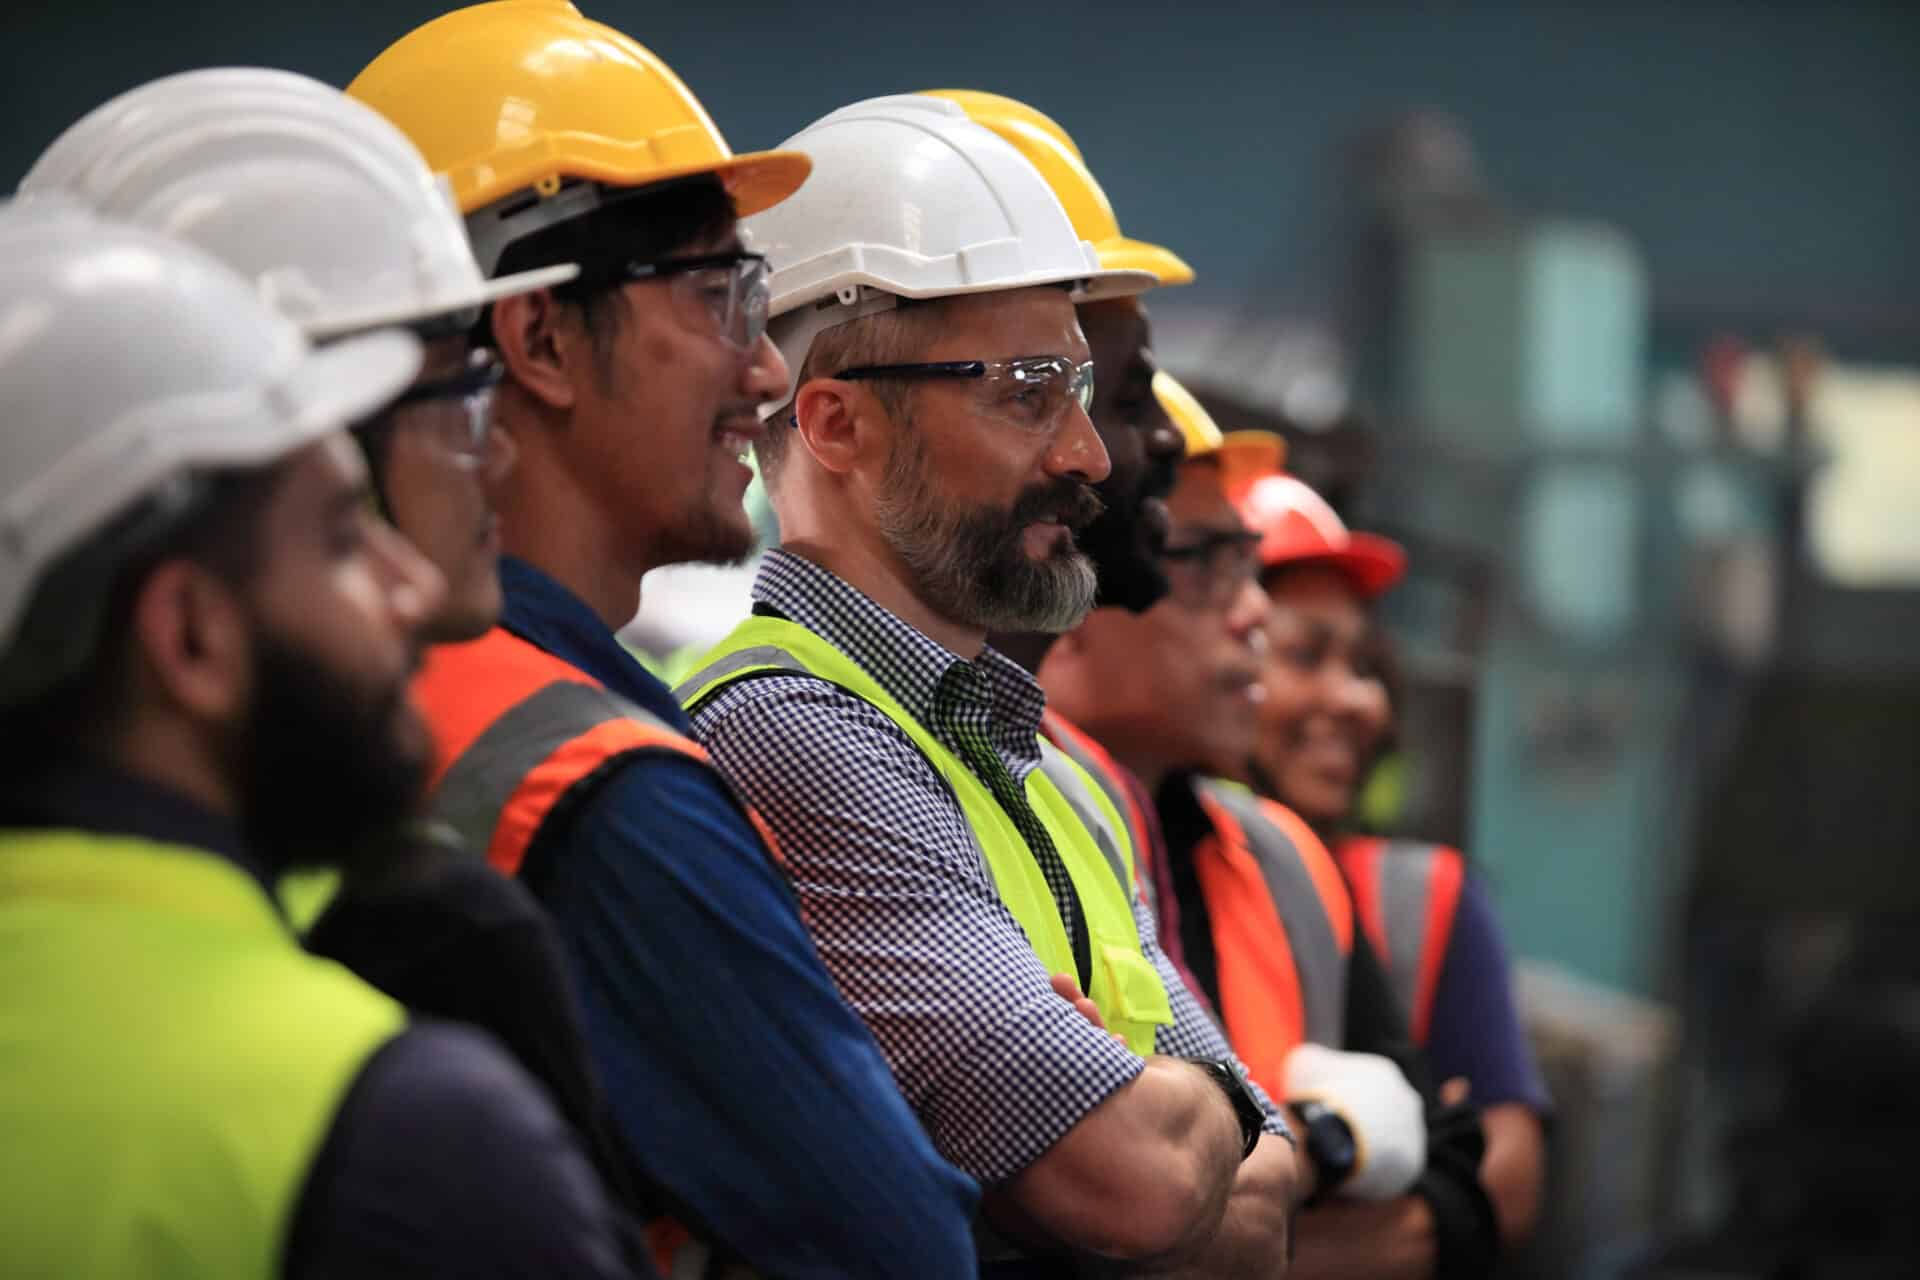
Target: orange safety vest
{"points": [[1407, 894], [1282, 927], [520, 736]]}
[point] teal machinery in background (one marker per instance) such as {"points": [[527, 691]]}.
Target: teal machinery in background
{"points": [[1521, 435]]}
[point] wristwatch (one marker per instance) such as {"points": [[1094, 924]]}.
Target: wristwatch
{"points": [[1226, 1073], [1330, 1146]]}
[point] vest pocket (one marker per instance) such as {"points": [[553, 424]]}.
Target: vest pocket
{"points": [[1137, 993]]}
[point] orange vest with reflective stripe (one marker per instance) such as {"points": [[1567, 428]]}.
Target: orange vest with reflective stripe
{"points": [[1406, 893], [1282, 927], [520, 736]]}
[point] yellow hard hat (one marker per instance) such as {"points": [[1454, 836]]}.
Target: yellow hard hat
{"points": [[1195, 423], [982, 106], [1048, 148], [522, 94]]}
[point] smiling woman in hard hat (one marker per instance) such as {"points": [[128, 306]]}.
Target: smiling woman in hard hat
{"points": [[1327, 715]]}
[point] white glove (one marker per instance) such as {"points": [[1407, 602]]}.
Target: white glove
{"points": [[1386, 1115]]}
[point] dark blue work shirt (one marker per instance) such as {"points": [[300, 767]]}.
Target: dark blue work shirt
{"points": [[1475, 1026], [738, 1075]]}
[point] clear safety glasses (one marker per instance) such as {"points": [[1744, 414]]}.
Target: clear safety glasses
{"points": [[1034, 392], [722, 295], [1209, 571], [456, 413]]}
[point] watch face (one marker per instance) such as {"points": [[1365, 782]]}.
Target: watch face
{"points": [[1329, 1141]]}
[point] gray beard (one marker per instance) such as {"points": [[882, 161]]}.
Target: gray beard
{"points": [[969, 566]]}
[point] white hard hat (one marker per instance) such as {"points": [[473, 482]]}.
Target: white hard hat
{"points": [[109, 128], [317, 197], [129, 363], [909, 198]]}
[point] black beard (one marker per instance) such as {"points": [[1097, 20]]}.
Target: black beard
{"points": [[1124, 551], [322, 765]]}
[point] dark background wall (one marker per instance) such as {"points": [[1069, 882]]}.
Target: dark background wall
{"points": [[1766, 156]]}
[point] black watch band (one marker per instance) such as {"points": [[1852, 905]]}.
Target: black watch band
{"points": [[1226, 1073]]}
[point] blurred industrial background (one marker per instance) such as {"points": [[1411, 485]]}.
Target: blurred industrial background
{"points": [[1611, 313]]}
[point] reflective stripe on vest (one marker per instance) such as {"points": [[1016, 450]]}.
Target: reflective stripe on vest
{"points": [[1105, 772], [170, 1061], [1282, 928], [1407, 893], [1085, 828], [518, 734]]}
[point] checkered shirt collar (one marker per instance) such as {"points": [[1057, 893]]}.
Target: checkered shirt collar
{"points": [[934, 684]]}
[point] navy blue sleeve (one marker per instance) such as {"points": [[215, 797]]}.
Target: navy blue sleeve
{"points": [[1475, 1029], [740, 1078], [445, 1159]]}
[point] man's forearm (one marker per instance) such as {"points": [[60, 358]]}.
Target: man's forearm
{"points": [[1215, 1151], [1365, 1240], [1251, 1241], [1513, 1169], [1143, 1179]]}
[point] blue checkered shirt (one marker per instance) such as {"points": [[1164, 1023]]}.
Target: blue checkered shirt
{"points": [[896, 893]]}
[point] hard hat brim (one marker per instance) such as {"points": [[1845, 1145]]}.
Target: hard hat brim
{"points": [[1197, 427], [755, 181], [413, 312], [1247, 455], [1370, 562], [1163, 264], [1111, 282], [761, 179], [1088, 286], [343, 382]]}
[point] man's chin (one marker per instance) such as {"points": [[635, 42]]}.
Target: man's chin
{"points": [[715, 541], [466, 619]]}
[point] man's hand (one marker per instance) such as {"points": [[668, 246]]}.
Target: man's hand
{"points": [[1069, 990]]}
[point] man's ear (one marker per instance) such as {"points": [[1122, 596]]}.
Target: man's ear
{"points": [[839, 422], [193, 641], [540, 342]]}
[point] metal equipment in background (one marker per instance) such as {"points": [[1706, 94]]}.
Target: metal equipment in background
{"points": [[1683, 761]]}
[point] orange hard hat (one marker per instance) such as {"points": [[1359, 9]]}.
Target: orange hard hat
{"points": [[1246, 454], [1296, 526]]}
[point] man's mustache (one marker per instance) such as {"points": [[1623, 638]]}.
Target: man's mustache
{"points": [[1071, 502]]}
